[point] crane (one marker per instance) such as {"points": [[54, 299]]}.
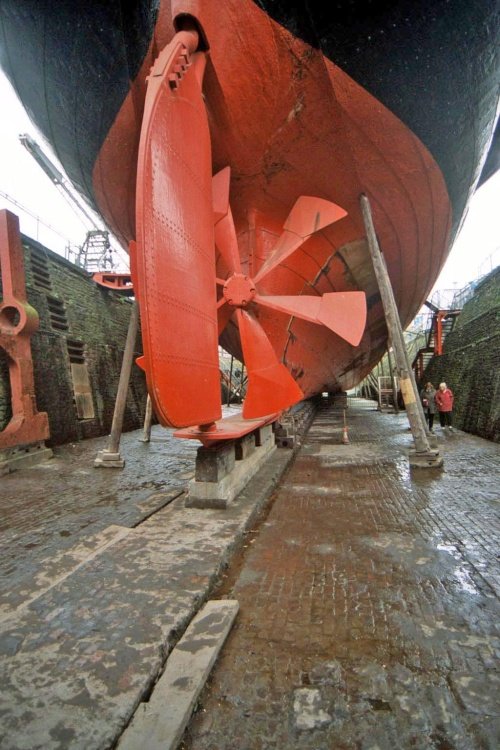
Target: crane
{"points": [[95, 254]]}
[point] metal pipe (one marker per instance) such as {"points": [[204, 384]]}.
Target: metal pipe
{"points": [[230, 381]]}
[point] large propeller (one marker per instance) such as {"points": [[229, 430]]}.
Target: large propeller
{"points": [[271, 387], [181, 210]]}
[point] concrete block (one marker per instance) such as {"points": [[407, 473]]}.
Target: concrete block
{"points": [[245, 446], [22, 457], [160, 723], [282, 429], [264, 436], [428, 460], [214, 463], [107, 460], [219, 494]]}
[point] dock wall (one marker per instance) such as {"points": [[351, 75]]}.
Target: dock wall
{"points": [[470, 363], [77, 350]]}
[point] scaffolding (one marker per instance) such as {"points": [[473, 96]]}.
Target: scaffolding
{"points": [[388, 389], [95, 253]]}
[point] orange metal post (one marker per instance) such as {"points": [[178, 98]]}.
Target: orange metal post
{"points": [[438, 346]]}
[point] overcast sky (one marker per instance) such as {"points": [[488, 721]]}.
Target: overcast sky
{"points": [[23, 180]]}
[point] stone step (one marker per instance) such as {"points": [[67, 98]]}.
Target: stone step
{"points": [[160, 723]]}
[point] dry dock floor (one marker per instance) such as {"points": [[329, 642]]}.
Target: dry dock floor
{"points": [[368, 594]]}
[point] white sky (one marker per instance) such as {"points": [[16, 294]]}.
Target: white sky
{"points": [[22, 179]]}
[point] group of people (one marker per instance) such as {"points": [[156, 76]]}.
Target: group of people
{"points": [[440, 401]]}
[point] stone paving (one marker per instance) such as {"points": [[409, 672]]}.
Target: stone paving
{"points": [[101, 572], [49, 508], [368, 595], [368, 599]]}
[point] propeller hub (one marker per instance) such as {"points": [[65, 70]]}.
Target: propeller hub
{"points": [[239, 290]]}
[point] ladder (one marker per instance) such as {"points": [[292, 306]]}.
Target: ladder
{"points": [[442, 323]]}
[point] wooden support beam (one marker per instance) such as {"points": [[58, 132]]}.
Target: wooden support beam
{"points": [[425, 455], [110, 457], [393, 381], [148, 420]]}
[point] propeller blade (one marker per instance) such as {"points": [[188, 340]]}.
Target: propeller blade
{"points": [[225, 233], [224, 313], [308, 215], [227, 244], [220, 193], [271, 388], [344, 313]]}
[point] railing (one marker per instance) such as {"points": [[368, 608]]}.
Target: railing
{"points": [[419, 336], [444, 299], [464, 295], [455, 299], [489, 263]]}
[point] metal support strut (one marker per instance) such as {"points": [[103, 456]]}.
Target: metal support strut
{"points": [[424, 455]]}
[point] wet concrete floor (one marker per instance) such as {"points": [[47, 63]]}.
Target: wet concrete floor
{"points": [[368, 602], [101, 571], [368, 594]]}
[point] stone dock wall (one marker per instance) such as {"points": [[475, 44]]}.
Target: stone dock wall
{"points": [[470, 363], [77, 351]]}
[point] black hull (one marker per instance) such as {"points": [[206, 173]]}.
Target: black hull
{"points": [[78, 58], [433, 64]]}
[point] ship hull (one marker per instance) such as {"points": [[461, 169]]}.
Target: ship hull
{"points": [[319, 102]]}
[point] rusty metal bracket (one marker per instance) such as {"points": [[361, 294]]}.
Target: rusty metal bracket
{"points": [[116, 282], [18, 322]]}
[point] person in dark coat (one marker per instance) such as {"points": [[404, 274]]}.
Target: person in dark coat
{"points": [[444, 402], [427, 396]]}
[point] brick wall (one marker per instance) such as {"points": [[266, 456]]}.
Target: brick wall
{"points": [[82, 323], [470, 363]]}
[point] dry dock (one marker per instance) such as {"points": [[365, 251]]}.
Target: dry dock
{"points": [[368, 595]]}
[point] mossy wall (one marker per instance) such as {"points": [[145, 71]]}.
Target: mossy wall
{"points": [[79, 322], [470, 363]]}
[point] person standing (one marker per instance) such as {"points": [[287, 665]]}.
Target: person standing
{"points": [[444, 401], [427, 396]]}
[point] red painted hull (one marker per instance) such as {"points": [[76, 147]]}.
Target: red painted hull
{"points": [[396, 99], [289, 122]]}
